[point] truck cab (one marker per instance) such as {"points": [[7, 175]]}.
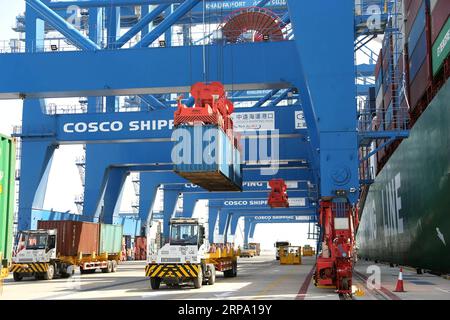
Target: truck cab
{"points": [[35, 246], [187, 243], [189, 257], [35, 255], [278, 245], [182, 258], [248, 251]]}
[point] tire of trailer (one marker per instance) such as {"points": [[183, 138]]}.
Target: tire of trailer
{"points": [[65, 274], [199, 280], [108, 268], [234, 269], [230, 273], [212, 275], [114, 266], [50, 272], [83, 271], [155, 283], [17, 276]]}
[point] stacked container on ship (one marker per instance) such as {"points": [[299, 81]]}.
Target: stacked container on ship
{"points": [[405, 215]]}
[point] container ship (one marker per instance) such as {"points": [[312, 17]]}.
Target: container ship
{"points": [[405, 211]]}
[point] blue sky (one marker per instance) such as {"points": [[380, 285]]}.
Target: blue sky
{"points": [[11, 109], [9, 10]]}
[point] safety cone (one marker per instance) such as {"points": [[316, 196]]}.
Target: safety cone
{"points": [[399, 287]]}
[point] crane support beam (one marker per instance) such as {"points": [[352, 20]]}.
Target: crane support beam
{"points": [[280, 98], [145, 20], [61, 25], [229, 216], [265, 98], [257, 68], [167, 23], [332, 90]]}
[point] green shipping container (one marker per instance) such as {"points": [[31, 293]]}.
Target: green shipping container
{"points": [[110, 238], [441, 48], [7, 181]]}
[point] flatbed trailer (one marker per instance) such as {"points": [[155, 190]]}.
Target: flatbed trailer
{"points": [[57, 248], [64, 266]]}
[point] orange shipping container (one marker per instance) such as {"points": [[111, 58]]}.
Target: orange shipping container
{"points": [[74, 237]]}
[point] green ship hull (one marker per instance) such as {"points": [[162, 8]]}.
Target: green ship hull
{"points": [[406, 216]]}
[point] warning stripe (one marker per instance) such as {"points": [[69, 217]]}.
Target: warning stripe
{"points": [[31, 267], [171, 271], [196, 268], [188, 269], [154, 273], [185, 273]]}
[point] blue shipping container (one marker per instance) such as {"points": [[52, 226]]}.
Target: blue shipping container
{"points": [[418, 56], [379, 81], [417, 29], [207, 157]]}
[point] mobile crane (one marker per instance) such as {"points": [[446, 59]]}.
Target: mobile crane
{"points": [[338, 220]]}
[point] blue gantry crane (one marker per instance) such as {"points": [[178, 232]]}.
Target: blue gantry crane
{"points": [[304, 82]]}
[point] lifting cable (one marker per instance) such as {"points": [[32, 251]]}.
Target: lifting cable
{"points": [[205, 78]]}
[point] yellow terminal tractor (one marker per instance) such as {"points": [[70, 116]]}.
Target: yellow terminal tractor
{"points": [[308, 251], [290, 255], [247, 252], [188, 257], [278, 245]]}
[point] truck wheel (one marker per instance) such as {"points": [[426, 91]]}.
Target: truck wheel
{"points": [[17, 276], [114, 266], [199, 280], [228, 273], [108, 269], [50, 272], [83, 271], [155, 283], [212, 276]]}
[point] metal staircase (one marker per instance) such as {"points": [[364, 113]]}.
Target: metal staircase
{"points": [[384, 121]]}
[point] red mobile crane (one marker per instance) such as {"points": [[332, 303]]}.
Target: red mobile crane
{"points": [[338, 220]]}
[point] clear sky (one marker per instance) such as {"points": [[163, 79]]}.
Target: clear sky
{"points": [[65, 182], [10, 110]]}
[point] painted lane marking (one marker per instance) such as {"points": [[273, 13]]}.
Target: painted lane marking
{"points": [[225, 294], [385, 291], [373, 292], [443, 290], [304, 288], [93, 289]]}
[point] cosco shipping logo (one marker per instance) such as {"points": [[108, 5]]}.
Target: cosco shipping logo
{"points": [[117, 126], [245, 203]]}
